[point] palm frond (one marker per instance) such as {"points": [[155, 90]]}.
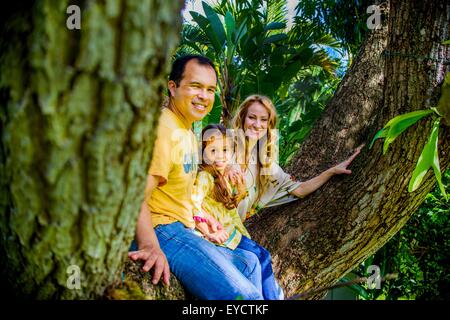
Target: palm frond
{"points": [[193, 33], [276, 11]]}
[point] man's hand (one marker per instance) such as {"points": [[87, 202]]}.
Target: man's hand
{"points": [[154, 258], [219, 236]]}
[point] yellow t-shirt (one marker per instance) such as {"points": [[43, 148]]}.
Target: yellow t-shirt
{"points": [[229, 218], [175, 159]]}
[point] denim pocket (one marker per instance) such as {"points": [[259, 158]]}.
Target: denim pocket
{"points": [[168, 231]]}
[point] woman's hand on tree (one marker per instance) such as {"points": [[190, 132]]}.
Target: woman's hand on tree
{"points": [[341, 168]]}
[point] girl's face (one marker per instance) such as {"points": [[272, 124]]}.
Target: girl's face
{"points": [[217, 153], [256, 121]]}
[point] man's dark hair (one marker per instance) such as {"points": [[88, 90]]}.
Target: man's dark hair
{"points": [[179, 65]]}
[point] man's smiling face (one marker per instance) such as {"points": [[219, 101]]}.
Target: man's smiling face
{"points": [[194, 97]]}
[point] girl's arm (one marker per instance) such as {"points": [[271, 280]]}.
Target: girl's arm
{"points": [[202, 186], [309, 186], [204, 222]]}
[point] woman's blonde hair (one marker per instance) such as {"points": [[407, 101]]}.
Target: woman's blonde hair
{"points": [[267, 148]]}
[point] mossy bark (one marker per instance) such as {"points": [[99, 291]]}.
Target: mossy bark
{"points": [[137, 285], [78, 113], [400, 68]]}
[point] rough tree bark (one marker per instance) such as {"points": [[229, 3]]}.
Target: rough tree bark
{"points": [[399, 69], [78, 109]]}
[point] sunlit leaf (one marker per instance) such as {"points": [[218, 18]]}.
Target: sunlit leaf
{"points": [[380, 134], [428, 159], [397, 125], [216, 112]]}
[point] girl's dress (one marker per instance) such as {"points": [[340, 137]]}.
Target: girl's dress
{"points": [[239, 236]]}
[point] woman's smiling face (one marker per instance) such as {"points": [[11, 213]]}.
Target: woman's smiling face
{"points": [[256, 121]]}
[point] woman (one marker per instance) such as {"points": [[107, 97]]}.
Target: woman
{"points": [[267, 184]]}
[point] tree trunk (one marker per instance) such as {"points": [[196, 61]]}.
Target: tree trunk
{"points": [[77, 118], [317, 240]]}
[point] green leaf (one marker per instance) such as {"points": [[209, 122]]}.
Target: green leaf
{"points": [[380, 134], [275, 38], [242, 31], [194, 46], [357, 288], [295, 126], [231, 44], [446, 42], [215, 114], [415, 114], [400, 123], [428, 158], [204, 23], [267, 87], [275, 26], [199, 19], [230, 25], [447, 78], [215, 22]]}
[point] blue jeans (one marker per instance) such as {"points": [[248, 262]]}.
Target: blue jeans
{"points": [[270, 288], [207, 271]]}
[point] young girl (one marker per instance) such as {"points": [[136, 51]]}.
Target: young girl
{"points": [[214, 196]]}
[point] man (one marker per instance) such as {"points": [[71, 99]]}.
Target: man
{"points": [[165, 230]]}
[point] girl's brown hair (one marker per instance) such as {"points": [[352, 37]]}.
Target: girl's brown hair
{"points": [[221, 192]]}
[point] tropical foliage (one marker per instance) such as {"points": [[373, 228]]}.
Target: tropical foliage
{"points": [[305, 102], [346, 20], [429, 157], [258, 53]]}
